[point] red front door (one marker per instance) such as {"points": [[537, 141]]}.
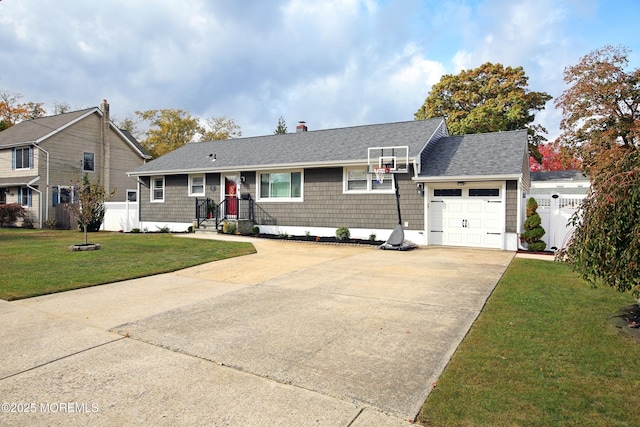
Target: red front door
{"points": [[230, 195]]}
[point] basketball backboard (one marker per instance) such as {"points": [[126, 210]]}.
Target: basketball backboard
{"points": [[396, 158]]}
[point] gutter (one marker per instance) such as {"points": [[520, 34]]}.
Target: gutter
{"points": [[29, 185]]}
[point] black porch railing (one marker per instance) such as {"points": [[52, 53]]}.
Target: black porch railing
{"points": [[231, 208]]}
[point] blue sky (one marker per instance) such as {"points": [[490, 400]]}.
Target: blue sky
{"points": [[332, 63]]}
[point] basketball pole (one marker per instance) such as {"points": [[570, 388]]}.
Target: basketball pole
{"points": [[397, 188]]}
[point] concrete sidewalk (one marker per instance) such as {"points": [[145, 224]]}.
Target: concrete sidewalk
{"points": [[296, 334]]}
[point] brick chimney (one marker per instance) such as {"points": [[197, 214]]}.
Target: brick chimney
{"points": [[302, 127]]}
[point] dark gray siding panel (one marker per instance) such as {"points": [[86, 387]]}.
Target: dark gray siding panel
{"points": [[325, 205], [178, 206], [511, 219]]}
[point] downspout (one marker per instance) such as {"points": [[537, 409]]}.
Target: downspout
{"points": [[29, 185], [47, 187]]}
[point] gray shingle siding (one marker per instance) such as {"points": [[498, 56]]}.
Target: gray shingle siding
{"points": [[325, 204]]}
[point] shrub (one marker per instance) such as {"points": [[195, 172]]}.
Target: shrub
{"points": [[533, 230], [10, 213], [343, 233], [50, 223], [228, 227], [135, 230], [372, 237], [255, 230]]}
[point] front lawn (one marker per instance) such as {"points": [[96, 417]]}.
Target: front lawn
{"points": [[542, 352], [37, 262]]}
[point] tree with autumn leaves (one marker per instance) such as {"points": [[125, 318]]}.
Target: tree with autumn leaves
{"points": [[170, 129], [490, 98], [12, 111], [601, 126]]}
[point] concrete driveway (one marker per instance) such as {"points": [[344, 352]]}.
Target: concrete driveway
{"points": [[297, 334]]}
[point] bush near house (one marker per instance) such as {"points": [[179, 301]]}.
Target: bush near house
{"points": [[10, 213], [533, 230]]}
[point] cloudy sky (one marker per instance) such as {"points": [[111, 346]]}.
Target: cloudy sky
{"points": [[332, 63]]}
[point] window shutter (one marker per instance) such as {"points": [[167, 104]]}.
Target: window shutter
{"points": [[30, 160], [29, 193], [55, 195], [13, 159]]}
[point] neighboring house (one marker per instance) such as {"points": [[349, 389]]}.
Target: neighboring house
{"points": [[558, 194], [458, 190], [41, 159]]}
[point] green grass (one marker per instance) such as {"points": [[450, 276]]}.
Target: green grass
{"points": [[38, 262], [542, 352]]}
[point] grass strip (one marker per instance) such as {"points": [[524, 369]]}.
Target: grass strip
{"points": [[542, 352], [38, 262]]}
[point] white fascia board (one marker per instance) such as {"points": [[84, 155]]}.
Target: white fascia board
{"points": [[467, 178]]}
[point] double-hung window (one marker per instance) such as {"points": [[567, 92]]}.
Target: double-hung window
{"points": [[24, 196], [88, 164], [358, 180], [157, 189], [196, 185], [22, 158], [281, 186]]}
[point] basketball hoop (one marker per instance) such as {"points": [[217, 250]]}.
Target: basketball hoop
{"points": [[380, 172]]}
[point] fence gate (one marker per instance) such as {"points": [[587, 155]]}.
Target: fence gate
{"points": [[555, 212]]}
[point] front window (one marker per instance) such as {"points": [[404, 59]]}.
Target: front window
{"points": [[23, 158], [281, 185], [24, 196], [88, 164], [157, 189], [358, 180], [196, 185]]}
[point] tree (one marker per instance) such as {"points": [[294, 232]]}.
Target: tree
{"points": [[281, 127], [490, 98], [601, 124], [601, 108], [554, 158], [217, 128], [89, 207], [12, 111], [169, 129]]}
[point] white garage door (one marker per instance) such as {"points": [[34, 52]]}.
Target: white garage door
{"points": [[466, 217]]}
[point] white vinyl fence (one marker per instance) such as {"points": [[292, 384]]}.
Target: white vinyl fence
{"points": [[555, 212], [120, 216]]}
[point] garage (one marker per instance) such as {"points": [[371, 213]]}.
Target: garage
{"points": [[466, 215]]}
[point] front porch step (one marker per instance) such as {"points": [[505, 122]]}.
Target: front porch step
{"points": [[208, 226]]}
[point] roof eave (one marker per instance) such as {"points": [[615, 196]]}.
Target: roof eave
{"points": [[444, 178]]}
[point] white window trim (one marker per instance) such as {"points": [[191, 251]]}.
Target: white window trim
{"points": [[279, 199], [204, 185], [129, 192], [152, 188], [14, 159], [370, 178]]}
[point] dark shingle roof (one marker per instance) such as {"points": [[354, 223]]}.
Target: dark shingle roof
{"points": [[34, 129], [497, 153], [567, 175], [321, 147]]}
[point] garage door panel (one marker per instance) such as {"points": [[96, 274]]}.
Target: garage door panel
{"points": [[467, 220]]}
